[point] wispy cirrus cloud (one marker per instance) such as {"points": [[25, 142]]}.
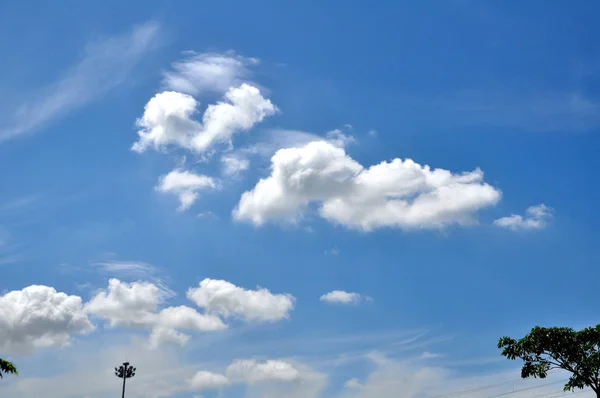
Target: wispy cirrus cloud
{"points": [[524, 109], [208, 72], [105, 64]]}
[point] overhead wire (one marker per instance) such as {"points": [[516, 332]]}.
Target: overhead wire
{"points": [[487, 387]]}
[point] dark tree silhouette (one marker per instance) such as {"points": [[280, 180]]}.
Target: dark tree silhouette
{"points": [[544, 349], [7, 367]]}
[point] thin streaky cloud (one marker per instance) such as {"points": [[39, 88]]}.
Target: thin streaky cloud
{"points": [[208, 72], [134, 271], [528, 110], [104, 65]]}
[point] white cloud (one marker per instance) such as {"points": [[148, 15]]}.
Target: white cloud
{"points": [[244, 108], [105, 65], [133, 270], [203, 380], [429, 355], [252, 372], [200, 73], [341, 297], [234, 165], [339, 139], [399, 193], [126, 267], [225, 298], [162, 336], [273, 140], [39, 316], [536, 218], [353, 383], [126, 304], [85, 370], [137, 304], [167, 119], [185, 185]]}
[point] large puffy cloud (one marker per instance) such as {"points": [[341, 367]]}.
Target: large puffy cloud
{"points": [[39, 316], [199, 73], [167, 119], [536, 218], [225, 298], [126, 304], [399, 193], [185, 185], [137, 304], [251, 372]]}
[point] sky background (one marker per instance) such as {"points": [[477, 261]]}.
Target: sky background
{"points": [[510, 88]]}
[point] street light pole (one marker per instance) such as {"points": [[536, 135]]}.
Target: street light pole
{"points": [[125, 364], [124, 372]]}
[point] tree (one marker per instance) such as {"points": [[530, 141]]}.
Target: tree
{"points": [[544, 349], [7, 367]]}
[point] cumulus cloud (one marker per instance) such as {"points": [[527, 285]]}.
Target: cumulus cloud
{"points": [[185, 185], [203, 380], [199, 73], [222, 297], [399, 193], [341, 297], [536, 218], [39, 316], [252, 372], [167, 119], [137, 304]]}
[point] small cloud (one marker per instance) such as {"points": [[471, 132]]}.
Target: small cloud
{"points": [[253, 372], [185, 185], [372, 133], [429, 355], [207, 215], [228, 300], [233, 165], [342, 297], [536, 217], [339, 139], [334, 251], [203, 380], [353, 383]]}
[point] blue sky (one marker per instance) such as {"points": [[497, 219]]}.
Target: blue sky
{"points": [[196, 153]]}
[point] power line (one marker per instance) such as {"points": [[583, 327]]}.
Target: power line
{"points": [[487, 387], [526, 389], [561, 393]]}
